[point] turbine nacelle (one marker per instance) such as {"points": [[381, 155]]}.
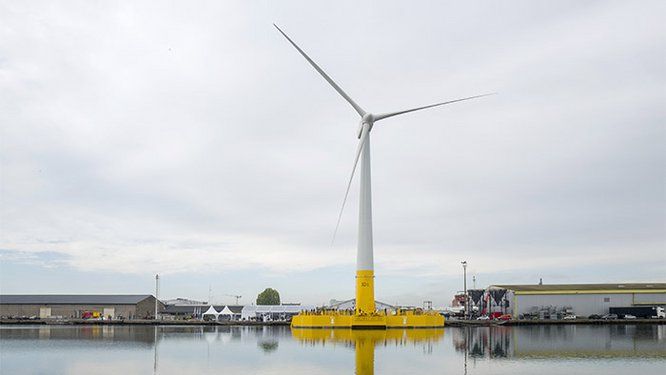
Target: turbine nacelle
{"points": [[369, 119]]}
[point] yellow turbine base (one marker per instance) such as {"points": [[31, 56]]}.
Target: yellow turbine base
{"points": [[365, 292], [333, 319]]}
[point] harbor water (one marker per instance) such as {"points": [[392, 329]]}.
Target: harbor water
{"points": [[543, 350]]}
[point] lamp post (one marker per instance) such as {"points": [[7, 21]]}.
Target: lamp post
{"points": [[464, 264], [157, 291]]}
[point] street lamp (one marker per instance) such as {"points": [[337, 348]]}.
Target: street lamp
{"points": [[157, 292], [464, 264]]}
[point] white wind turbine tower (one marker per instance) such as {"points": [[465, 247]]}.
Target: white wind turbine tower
{"points": [[365, 301]]}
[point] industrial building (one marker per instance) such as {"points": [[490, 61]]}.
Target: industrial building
{"points": [[577, 299], [265, 313], [44, 306]]}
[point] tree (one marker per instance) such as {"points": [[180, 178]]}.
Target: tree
{"points": [[269, 296]]}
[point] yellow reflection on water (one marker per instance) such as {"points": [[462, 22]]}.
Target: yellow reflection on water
{"points": [[364, 341]]}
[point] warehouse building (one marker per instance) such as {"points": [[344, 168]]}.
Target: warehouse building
{"points": [[114, 306], [578, 299]]}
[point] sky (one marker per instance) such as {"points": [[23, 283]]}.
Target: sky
{"points": [[190, 139]]}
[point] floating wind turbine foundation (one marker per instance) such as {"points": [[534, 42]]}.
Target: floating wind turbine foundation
{"points": [[365, 315]]}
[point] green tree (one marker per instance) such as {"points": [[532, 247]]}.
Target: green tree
{"points": [[269, 296]]}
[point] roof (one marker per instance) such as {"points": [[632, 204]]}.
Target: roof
{"points": [[182, 301], [72, 299], [656, 287]]}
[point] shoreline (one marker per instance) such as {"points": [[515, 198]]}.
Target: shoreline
{"points": [[449, 323]]}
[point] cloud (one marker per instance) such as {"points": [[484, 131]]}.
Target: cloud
{"points": [[182, 139]]}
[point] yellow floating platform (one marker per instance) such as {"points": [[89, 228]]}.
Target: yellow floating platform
{"points": [[379, 320]]}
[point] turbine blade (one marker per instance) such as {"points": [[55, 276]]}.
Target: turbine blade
{"points": [[328, 79], [359, 148], [387, 115]]}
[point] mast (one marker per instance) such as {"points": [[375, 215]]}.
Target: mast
{"points": [[157, 291], [365, 283]]}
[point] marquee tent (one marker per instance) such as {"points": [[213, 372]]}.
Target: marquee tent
{"points": [[226, 311], [211, 311]]}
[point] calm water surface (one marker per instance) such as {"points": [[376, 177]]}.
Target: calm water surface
{"points": [[616, 349]]}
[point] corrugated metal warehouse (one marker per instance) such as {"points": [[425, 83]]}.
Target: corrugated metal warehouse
{"points": [[128, 306], [581, 299]]}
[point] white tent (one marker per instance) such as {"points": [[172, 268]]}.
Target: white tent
{"points": [[226, 311], [211, 311]]}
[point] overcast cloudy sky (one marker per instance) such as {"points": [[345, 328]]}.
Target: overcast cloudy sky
{"points": [[190, 139]]}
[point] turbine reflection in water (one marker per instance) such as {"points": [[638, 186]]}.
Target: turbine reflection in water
{"points": [[364, 341]]}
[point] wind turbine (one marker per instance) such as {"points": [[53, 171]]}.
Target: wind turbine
{"points": [[365, 299]]}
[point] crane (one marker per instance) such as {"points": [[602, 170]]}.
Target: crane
{"points": [[235, 296]]}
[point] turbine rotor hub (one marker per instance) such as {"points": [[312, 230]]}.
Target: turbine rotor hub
{"points": [[369, 119]]}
